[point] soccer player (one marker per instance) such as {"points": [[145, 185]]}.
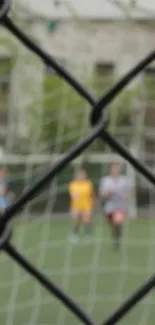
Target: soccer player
{"points": [[82, 202], [115, 191], [5, 193]]}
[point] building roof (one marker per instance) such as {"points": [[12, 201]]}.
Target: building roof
{"points": [[90, 9]]}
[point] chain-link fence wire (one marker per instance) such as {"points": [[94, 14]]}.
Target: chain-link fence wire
{"points": [[99, 122]]}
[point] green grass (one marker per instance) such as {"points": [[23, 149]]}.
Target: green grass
{"points": [[93, 274]]}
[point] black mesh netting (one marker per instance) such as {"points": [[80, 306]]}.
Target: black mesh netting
{"points": [[99, 122]]}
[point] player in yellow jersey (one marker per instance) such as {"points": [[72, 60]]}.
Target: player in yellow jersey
{"points": [[82, 199]]}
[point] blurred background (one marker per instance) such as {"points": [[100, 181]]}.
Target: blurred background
{"points": [[41, 117], [98, 42]]}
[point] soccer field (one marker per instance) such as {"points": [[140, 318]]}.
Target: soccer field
{"points": [[95, 275]]}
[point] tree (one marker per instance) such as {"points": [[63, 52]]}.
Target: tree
{"points": [[65, 115]]}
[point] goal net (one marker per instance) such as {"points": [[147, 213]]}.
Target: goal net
{"points": [[41, 118]]}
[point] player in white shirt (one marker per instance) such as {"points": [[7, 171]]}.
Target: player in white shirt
{"points": [[114, 191]]}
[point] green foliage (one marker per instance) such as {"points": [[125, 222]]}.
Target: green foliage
{"points": [[149, 102], [124, 107], [5, 70], [149, 84], [6, 65], [64, 112], [121, 110], [9, 42], [102, 84]]}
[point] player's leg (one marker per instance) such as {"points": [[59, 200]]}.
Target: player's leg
{"points": [[87, 222], [117, 227], [76, 221], [109, 218], [117, 235]]}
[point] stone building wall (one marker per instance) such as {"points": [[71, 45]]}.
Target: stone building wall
{"points": [[122, 43]]}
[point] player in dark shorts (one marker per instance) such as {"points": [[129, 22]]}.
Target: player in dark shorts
{"points": [[115, 190]]}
